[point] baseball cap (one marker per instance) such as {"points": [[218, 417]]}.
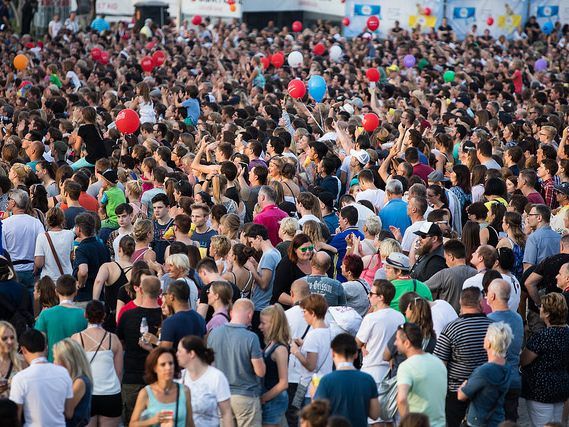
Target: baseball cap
{"points": [[111, 176], [60, 147], [562, 188], [437, 176], [348, 108], [429, 229], [357, 102], [398, 260], [327, 198], [393, 67], [464, 99], [361, 156]]}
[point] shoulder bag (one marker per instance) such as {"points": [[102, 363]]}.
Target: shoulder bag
{"points": [[55, 256]]}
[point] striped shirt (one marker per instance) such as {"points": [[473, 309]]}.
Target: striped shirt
{"points": [[461, 346]]}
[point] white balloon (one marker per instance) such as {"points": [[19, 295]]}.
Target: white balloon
{"points": [[335, 53], [295, 59]]}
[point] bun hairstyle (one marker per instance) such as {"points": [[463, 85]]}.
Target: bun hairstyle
{"points": [[243, 253], [197, 345]]}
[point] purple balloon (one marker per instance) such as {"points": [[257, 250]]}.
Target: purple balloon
{"points": [[409, 61], [540, 64]]}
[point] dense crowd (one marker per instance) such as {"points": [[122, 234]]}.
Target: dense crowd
{"points": [[299, 268]]}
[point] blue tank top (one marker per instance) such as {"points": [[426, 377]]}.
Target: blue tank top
{"points": [[154, 406], [82, 413], [259, 79]]}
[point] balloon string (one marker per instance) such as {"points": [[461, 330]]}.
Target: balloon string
{"points": [[313, 118]]}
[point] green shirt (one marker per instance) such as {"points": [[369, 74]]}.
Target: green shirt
{"points": [[402, 286], [113, 197], [426, 376], [58, 323]]}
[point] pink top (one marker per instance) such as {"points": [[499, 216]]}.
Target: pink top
{"points": [[270, 217], [218, 319]]}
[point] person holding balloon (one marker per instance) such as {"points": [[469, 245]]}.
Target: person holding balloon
{"points": [[88, 135]]}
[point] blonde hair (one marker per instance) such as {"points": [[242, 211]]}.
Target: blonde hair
{"points": [[499, 336], [221, 245], [69, 354], [388, 246], [218, 186], [141, 229], [134, 188], [313, 230], [21, 170], [231, 222], [179, 261], [279, 330], [13, 355], [289, 226]]}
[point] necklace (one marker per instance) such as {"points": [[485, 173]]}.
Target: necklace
{"points": [[166, 390]]}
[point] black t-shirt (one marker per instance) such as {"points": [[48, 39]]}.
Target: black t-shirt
{"points": [[93, 142], [548, 269], [128, 331], [203, 297], [233, 194], [159, 245]]}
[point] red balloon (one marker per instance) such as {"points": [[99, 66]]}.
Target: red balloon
{"points": [[346, 21], [370, 122], [158, 58], [372, 74], [373, 23], [490, 21], [427, 11], [105, 57], [319, 49], [277, 60], [230, 2], [297, 26], [127, 121], [96, 53], [197, 20], [296, 89], [147, 64], [266, 61]]}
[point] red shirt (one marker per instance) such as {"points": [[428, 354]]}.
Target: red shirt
{"points": [[88, 202], [422, 171], [517, 80], [535, 198], [270, 217]]}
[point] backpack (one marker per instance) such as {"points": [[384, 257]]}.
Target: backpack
{"points": [[19, 317]]}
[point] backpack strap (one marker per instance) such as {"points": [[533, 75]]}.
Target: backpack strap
{"points": [[55, 256]]}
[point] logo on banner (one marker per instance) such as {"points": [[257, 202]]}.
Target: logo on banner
{"points": [[464, 12], [367, 10], [422, 20], [547, 11]]}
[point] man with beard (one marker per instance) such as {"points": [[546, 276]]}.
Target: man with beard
{"points": [[183, 320], [429, 252]]}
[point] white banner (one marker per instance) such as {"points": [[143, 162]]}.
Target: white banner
{"points": [[326, 7], [217, 8], [270, 6], [115, 7]]}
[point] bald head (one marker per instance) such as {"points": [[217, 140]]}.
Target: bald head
{"points": [[501, 289], [242, 312], [320, 262], [299, 290]]}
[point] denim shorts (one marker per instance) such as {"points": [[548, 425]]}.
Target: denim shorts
{"points": [[275, 408]]}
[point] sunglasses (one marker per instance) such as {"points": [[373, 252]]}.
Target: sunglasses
{"points": [[307, 249]]}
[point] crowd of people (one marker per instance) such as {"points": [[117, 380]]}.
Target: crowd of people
{"points": [[249, 258]]}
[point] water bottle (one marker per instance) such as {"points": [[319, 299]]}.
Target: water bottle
{"points": [[143, 328]]}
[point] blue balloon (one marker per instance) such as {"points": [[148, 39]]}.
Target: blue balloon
{"points": [[548, 28], [317, 88]]}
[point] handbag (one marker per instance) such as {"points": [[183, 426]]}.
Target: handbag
{"points": [[303, 384], [387, 395], [55, 256]]}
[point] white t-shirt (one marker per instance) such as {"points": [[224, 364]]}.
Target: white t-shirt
{"points": [[515, 288], [375, 331], [308, 217], [298, 327], [317, 341], [54, 27], [42, 388], [363, 214], [116, 243], [72, 75], [63, 244], [409, 236], [19, 235], [442, 313], [375, 197], [207, 392]]}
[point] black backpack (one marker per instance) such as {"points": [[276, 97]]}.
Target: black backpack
{"points": [[20, 317]]}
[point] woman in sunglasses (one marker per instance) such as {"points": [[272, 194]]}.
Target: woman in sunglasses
{"points": [[292, 267]]}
